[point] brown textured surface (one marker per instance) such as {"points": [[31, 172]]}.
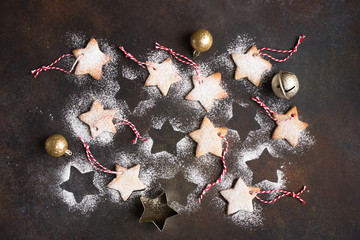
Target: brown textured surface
{"points": [[327, 65]]}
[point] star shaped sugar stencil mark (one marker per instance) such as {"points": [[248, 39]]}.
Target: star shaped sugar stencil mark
{"points": [[265, 167], [165, 139], [127, 181], [178, 188], [243, 120], [162, 76], [207, 138], [156, 211], [250, 65], [208, 91], [94, 116], [239, 197], [80, 184], [132, 92], [92, 60], [290, 130]]}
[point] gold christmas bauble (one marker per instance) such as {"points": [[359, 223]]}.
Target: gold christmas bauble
{"points": [[56, 146], [285, 84], [201, 40]]}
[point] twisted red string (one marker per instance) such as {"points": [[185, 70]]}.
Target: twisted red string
{"points": [[93, 161], [285, 193], [210, 185], [269, 111], [178, 56], [291, 52], [126, 122], [50, 67], [141, 64]]}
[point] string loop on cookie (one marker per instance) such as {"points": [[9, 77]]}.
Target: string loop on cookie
{"points": [[269, 111], [123, 122], [36, 72], [210, 185], [291, 51], [284, 193], [181, 58], [93, 161], [141, 64]]}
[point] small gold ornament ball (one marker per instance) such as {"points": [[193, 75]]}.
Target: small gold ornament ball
{"points": [[56, 146], [285, 84], [201, 40]]}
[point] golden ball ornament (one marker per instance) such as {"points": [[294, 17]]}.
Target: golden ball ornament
{"points": [[285, 84], [56, 146], [201, 40]]}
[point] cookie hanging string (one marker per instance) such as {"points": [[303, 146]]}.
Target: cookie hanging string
{"points": [[284, 193], [269, 111], [180, 58], [291, 52], [36, 72], [141, 64], [91, 158], [210, 185]]}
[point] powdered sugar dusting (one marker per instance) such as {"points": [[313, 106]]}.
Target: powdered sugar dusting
{"points": [[162, 165]]}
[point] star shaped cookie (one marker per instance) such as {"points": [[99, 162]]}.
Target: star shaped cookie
{"points": [[99, 117], [290, 130], [207, 91], [92, 60], [156, 211], [162, 76], [250, 65], [239, 197], [207, 138], [127, 181]]}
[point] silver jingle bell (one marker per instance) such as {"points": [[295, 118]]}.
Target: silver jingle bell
{"points": [[285, 84]]}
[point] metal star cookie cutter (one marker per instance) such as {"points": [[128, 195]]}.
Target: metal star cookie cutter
{"points": [[156, 211]]}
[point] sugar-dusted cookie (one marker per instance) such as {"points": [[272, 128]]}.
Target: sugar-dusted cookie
{"points": [[207, 138], [98, 119], [240, 197], [162, 75], [92, 60], [291, 129], [127, 181], [207, 91], [250, 65]]}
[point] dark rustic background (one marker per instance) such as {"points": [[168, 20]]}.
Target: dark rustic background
{"points": [[327, 64]]}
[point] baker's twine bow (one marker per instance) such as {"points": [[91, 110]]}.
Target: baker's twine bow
{"points": [[210, 185], [284, 193], [291, 51], [269, 111], [182, 59], [36, 72]]}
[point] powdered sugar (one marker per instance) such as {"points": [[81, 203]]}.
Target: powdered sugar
{"points": [[162, 165]]}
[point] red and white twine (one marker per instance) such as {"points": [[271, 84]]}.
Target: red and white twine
{"points": [[210, 185], [181, 58], [91, 158], [50, 67], [291, 52], [269, 111], [123, 122], [284, 193], [141, 64]]}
